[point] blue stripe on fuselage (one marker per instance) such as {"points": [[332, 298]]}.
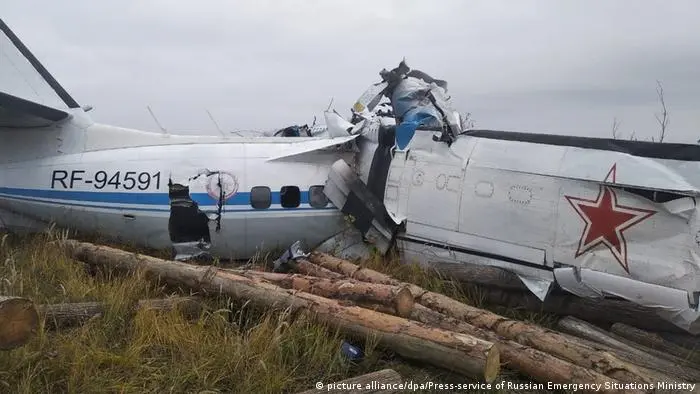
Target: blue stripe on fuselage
{"points": [[140, 198]]}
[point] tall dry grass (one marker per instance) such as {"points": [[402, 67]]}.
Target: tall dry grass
{"points": [[233, 347]]}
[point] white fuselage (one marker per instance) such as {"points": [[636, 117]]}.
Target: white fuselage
{"points": [[116, 181]]}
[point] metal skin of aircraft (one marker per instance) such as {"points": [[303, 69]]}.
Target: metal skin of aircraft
{"points": [[595, 217]]}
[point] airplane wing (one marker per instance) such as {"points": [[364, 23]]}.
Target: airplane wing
{"points": [[29, 95], [16, 112], [298, 148]]}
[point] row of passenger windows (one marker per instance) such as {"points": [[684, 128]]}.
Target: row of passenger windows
{"points": [[290, 197]]}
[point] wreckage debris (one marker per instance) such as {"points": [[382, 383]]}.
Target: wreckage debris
{"points": [[351, 352], [188, 225]]}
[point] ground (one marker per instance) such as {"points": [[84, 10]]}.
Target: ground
{"points": [[233, 347]]}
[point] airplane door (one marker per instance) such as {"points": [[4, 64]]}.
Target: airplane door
{"points": [[425, 190]]}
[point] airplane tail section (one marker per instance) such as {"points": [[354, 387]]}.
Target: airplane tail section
{"points": [[29, 95]]}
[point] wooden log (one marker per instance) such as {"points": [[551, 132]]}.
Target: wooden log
{"points": [[561, 346], [654, 341], [400, 298], [640, 357], [307, 268], [19, 321], [468, 355], [354, 271], [58, 316], [688, 341], [382, 381], [540, 366], [71, 314]]}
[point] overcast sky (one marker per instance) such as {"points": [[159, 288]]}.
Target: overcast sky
{"points": [[562, 67]]}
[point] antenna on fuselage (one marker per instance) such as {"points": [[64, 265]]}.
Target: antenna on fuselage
{"points": [[216, 124], [156, 120]]}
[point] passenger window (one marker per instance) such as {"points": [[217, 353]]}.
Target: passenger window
{"points": [[316, 197], [290, 196], [260, 197]]}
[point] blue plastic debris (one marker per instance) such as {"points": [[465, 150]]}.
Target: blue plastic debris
{"points": [[407, 129], [353, 353], [404, 133]]}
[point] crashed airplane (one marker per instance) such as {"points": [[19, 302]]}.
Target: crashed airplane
{"points": [[595, 217]]}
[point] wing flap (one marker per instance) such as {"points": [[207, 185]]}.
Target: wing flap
{"points": [[16, 112]]}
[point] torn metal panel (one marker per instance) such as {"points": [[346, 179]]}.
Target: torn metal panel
{"points": [[539, 287], [219, 185], [569, 278], [286, 261], [348, 244], [188, 226], [339, 127], [367, 213], [370, 98], [677, 306]]}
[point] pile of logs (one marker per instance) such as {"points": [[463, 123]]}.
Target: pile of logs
{"points": [[418, 324]]}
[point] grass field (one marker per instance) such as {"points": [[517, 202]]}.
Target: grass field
{"points": [[233, 347]]}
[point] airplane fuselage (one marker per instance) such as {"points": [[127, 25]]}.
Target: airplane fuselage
{"points": [[131, 192]]}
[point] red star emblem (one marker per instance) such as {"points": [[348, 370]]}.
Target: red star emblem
{"points": [[606, 220]]}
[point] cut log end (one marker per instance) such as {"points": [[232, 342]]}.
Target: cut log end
{"points": [[19, 321], [492, 367], [403, 302]]}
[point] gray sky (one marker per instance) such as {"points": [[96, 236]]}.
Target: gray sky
{"points": [[562, 67]]}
